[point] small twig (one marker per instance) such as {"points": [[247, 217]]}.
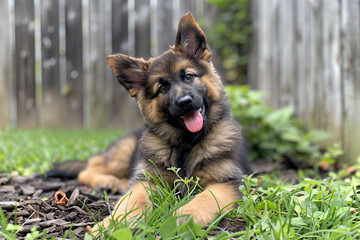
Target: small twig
{"points": [[22, 225]]}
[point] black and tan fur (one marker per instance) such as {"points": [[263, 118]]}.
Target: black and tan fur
{"points": [[166, 88]]}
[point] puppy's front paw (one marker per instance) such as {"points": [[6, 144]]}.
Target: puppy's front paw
{"points": [[95, 229], [200, 216], [110, 182]]}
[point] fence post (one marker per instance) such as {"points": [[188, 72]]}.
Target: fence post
{"points": [[324, 92], [5, 65], [51, 99], [98, 107], [25, 63], [74, 64], [120, 115], [165, 31], [188, 6], [120, 44], [142, 29]]}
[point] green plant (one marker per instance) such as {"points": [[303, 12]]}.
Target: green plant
{"points": [[312, 209], [275, 134], [231, 35], [8, 230]]}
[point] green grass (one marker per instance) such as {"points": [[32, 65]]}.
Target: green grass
{"points": [[310, 209], [30, 151]]}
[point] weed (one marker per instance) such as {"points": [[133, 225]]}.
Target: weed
{"points": [[8, 230]]}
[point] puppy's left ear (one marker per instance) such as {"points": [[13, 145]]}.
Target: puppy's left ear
{"points": [[191, 39], [130, 72]]}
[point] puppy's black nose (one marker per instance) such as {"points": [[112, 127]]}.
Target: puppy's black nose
{"points": [[184, 101]]}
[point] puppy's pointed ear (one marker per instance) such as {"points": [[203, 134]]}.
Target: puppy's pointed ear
{"points": [[191, 39], [129, 71]]}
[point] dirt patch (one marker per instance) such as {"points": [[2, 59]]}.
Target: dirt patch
{"points": [[32, 201]]}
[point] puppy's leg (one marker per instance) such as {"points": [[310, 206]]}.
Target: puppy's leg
{"points": [[204, 206], [99, 174], [130, 205], [111, 168]]}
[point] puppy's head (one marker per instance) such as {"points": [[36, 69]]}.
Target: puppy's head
{"points": [[179, 87]]}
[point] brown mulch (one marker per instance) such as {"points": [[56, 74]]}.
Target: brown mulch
{"points": [[30, 201]]}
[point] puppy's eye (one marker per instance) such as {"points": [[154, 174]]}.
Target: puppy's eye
{"points": [[189, 77], [162, 88]]}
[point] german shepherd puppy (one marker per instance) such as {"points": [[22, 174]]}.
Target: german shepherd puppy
{"points": [[187, 126]]}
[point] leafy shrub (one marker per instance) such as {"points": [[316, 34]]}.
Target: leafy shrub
{"points": [[231, 35], [274, 134]]}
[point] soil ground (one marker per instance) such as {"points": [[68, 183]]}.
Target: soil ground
{"points": [[32, 201]]}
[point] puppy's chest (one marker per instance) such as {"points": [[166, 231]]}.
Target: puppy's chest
{"points": [[166, 157], [190, 160], [176, 162], [177, 165], [180, 159]]}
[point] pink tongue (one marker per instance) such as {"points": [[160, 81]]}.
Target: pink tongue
{"points": [[193, 121]]}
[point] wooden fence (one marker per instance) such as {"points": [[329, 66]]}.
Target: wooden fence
{"points": [[53, 71], [52, 63], [307, 54]]}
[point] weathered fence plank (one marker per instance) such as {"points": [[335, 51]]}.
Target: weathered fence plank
{"points": [[119, 27], [263, 66], [188, 6], [285, 39], [25, 63], [142, 29], [74, 64], [98, 106], [317, 79], [165, 29], [332, 119], [124, 112], [325, 95], [120, 44], [5, 65], [142, 12], [301, 57], [51, 99], [209, 14], [350, 26]]}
